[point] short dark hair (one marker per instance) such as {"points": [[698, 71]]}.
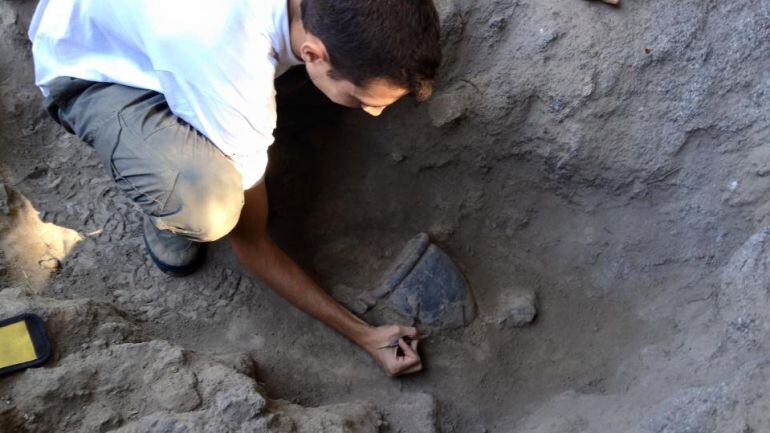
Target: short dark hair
{"points": [[397, 40]]}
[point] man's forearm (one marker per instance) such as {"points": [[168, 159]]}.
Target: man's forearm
{"points": [[263, 257], [272, 265], [258, 253]]}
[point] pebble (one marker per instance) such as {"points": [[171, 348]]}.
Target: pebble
{"points": [[397, 156], [547, 37], [447, 107], [415, 413], [358, 306], [50, 263], [4, 207], [518, 308]]}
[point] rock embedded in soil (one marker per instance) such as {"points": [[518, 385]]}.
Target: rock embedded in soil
{"points": [[50, 263], [5, 208], [338, 418], [760, 161], [447, 107], [517, 308], [743, 301], [414, 413]]}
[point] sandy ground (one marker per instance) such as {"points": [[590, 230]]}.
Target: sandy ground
{"points": [[614, 161]]}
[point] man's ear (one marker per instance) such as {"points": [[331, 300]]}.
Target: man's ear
{"points": [[313, 50]]}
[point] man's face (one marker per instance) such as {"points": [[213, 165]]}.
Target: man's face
{"points": [[373, 98]]}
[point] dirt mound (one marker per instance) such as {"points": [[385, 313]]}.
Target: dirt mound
{"points": [[674, 390], [108, 378]]}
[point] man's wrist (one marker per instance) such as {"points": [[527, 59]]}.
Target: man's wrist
{"points": [[363, 336]]}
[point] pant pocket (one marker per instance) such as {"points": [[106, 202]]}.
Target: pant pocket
{"points": [[149, 114], [140, 172]]}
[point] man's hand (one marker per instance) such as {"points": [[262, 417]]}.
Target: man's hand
{"points": [[394, 347], [612, 2]]}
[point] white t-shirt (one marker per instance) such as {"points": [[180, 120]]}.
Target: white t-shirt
{"points": [[214, 61]]}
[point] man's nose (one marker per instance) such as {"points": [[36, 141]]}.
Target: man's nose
{"points": [[374, 111]]}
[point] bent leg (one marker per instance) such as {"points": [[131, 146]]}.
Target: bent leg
{"points": [[180, 180]]}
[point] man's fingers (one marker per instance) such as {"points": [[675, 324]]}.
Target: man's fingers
{"points": [[408, 351], [612, 2], [414, 369], [411, 336], [408, 364], [409, 331], [400, 364], [403, 358], [414, 343]]}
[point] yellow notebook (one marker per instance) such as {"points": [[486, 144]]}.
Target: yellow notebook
{"points": [[16, 345]]}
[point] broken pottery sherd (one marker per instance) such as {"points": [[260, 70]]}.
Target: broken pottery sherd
{"points": [[433, 292], [403, 264]]}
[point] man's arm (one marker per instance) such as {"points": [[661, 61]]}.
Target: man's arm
{"points": [[268, 262]]}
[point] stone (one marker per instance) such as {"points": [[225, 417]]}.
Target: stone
{"points": [[338, 418], [239, 405], [101, 418], [176, 391], [413, 413], [517, 308], [359, 306], [547, 37], [241, 362], [698, 410], [397, 156], [50, 263], [447, 107], [588, 90], [5, 208], [760, 161], [742, 300]]}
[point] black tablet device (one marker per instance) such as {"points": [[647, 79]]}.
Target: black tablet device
{"points": [[23, 343]]}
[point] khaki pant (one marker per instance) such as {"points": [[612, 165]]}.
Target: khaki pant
{"points": [[181, 180]]}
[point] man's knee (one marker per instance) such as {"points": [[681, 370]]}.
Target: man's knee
{"points": [[209, 207], [220, 213]]}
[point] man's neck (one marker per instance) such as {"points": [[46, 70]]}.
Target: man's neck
{"points": [[296, 28]]}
